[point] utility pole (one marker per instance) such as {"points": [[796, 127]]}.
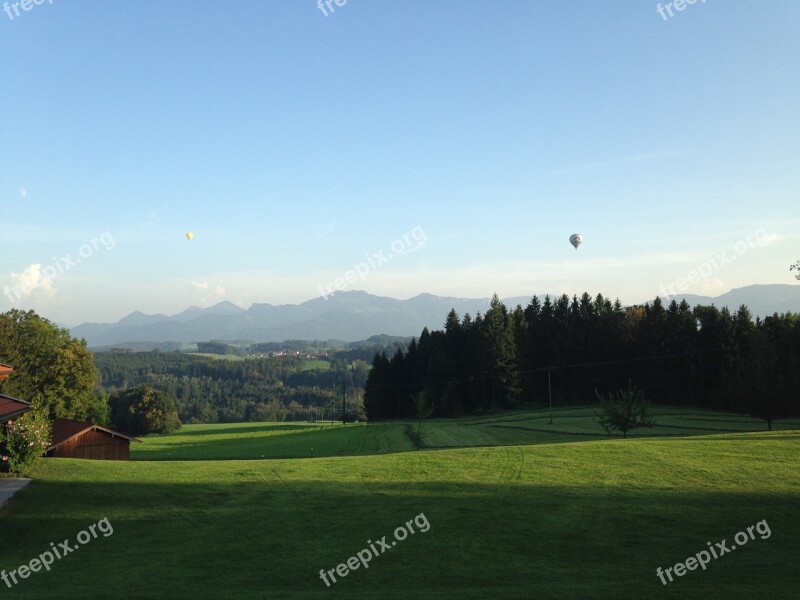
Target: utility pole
{"points": [[343, 399]]}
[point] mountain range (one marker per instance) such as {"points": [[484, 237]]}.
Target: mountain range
{"points": [[356, 315]]}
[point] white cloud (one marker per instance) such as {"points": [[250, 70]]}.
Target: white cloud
{"points": [[31, 284], [714, 287], [771, 239], [204, 293], [647, 156]]}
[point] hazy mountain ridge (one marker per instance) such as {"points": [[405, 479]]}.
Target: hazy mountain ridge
{"points": [[762, 300], [356, 315], [348, 316]]}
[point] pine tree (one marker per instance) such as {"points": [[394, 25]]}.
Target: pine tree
{"points": [[502, 356]]}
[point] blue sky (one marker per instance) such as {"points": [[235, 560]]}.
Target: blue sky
{"points": [[293, 144]]}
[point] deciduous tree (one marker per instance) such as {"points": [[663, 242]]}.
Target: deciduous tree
{"points": [[142, 410], [624, 410]]}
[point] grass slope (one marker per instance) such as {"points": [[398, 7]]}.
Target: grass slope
{"points": [[273, 440], [561, 520], [296, 440]]}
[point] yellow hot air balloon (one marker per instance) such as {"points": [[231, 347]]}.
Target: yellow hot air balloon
{"points": [[189, 235]]}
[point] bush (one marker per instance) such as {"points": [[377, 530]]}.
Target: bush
{"points": [[23, 441]]}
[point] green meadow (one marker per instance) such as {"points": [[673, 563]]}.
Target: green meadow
{"points": [[322, 365], [518, 508], [217, 356], [323, 438]]}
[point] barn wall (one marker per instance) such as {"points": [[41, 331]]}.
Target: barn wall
{"points": [[95, 445]]}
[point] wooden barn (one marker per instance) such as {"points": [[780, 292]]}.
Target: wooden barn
{"points": [[76, 439]]}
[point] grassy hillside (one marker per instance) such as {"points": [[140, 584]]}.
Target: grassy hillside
{"points": [[273, 440], [296, 440], [560, 520]]}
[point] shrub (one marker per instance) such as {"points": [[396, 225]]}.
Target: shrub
{"points": [[23, 441]]}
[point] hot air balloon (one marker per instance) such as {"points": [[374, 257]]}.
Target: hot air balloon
{"points": [[576, 239], [189, 235]]}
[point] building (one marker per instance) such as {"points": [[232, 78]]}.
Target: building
{"points": [[11, 408], [5, 371], [76, 439]]}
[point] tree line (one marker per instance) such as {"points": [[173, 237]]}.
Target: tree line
{"points": [[568, 348]]}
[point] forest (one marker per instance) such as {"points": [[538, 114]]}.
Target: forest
{"points": [[568, 349], [211, 390]]}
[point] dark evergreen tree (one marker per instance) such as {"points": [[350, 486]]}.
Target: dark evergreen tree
{"points": [[501, 354]]}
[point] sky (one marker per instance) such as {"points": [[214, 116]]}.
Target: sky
{"points": [[400, 148]]}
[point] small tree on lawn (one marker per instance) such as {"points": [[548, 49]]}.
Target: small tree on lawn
{"points": [[22, 441], [423, 409], [624, 410]]}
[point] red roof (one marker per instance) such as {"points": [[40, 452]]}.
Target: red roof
{"points": [[67, 429], [11, 408], [5, 371]]}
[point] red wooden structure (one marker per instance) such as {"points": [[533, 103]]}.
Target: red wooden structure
{"points": [[11, 408], [76, 439]]}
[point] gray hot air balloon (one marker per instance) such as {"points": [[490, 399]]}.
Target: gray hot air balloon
{"points": [[576, 239]]}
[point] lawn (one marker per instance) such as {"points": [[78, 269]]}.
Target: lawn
{"points": [[592, 519], [316, 364], [273, 440], [525, 427]]}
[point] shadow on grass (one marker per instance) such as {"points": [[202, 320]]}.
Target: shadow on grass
{"points": [[262, 427], [269, 538], [325, 442], [338, 442]]}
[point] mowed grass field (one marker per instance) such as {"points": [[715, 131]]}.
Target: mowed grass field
{"points": [[518, 509], [320, 439]]}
